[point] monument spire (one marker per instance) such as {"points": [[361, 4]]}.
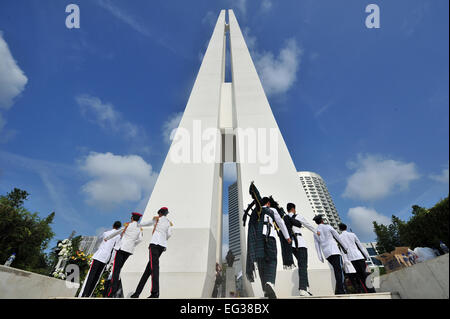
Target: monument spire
{"points": [[222, 122]]}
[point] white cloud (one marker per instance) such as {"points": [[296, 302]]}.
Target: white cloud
{"points": [[266, 5], [122, 16], [278, 74], [210, 18], [12, 78], [361, 221], [170, 125], [240, 5], [54, 177], [376, 177], [249, 39], [134, 23], [413, 19], [105, 115], [116, 179], [229, 172], [12, 84], [442, 178]]}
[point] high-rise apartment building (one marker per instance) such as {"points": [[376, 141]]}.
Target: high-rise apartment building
{"points": [[233, 222], [90, 244], [319, 197]]}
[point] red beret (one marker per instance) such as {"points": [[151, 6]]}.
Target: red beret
{"points": [[136, 214]]}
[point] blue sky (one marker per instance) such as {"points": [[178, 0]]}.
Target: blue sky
{"points": [[85, 113]]}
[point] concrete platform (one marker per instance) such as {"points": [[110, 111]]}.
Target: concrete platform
{"points": [[20, 284]]}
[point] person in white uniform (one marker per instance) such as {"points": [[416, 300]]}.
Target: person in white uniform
{"points": [[131, 235], [100, 259], [299, 248], [267, 265], [326, 240], [350, 271], [161, 233], [358, 255], [109, 267]]}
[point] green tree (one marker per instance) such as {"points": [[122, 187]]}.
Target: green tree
{"points": [[24, 233], [425, 228], [388, 237]]}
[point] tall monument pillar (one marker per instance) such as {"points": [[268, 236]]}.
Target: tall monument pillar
{"points": [[252, 110], [192, 190], [222, 122]]}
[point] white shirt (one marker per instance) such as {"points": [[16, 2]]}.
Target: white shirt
{"points": [[353, 243], [104, 251], [326, 242], [130, 238], [279, 222], [162, 231], [297, 231]]}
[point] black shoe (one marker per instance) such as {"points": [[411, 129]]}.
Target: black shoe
{"points": [[135, 295], [153, 296], [269, 291]]}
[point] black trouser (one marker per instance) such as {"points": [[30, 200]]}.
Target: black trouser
{"points": [[354, 279], [360, 267], [152, 269], [301, 254], [119, 292], [92, 279], [267, 266], [119, 261], [336, 262], [217, 285]]}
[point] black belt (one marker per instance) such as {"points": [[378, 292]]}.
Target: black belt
{"points": [[269, 225], [297, 234]]}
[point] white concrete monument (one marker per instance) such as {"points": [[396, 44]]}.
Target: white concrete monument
{"points": [[222, 122]]}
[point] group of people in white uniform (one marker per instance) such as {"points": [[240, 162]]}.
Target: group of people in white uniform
{"points": [[343, 251], [119, 243]]}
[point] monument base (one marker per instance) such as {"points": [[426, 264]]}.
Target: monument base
{"points": [[321, 282], [179, 275], [230, 283]]}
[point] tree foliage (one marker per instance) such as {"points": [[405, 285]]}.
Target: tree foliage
{"points": [[388, 237], [425, 228], [24, 233]]}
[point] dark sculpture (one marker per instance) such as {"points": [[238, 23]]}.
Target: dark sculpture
{"points": [[230, 258]]}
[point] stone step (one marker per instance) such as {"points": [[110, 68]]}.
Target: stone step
{"points": [[378, 295]]}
